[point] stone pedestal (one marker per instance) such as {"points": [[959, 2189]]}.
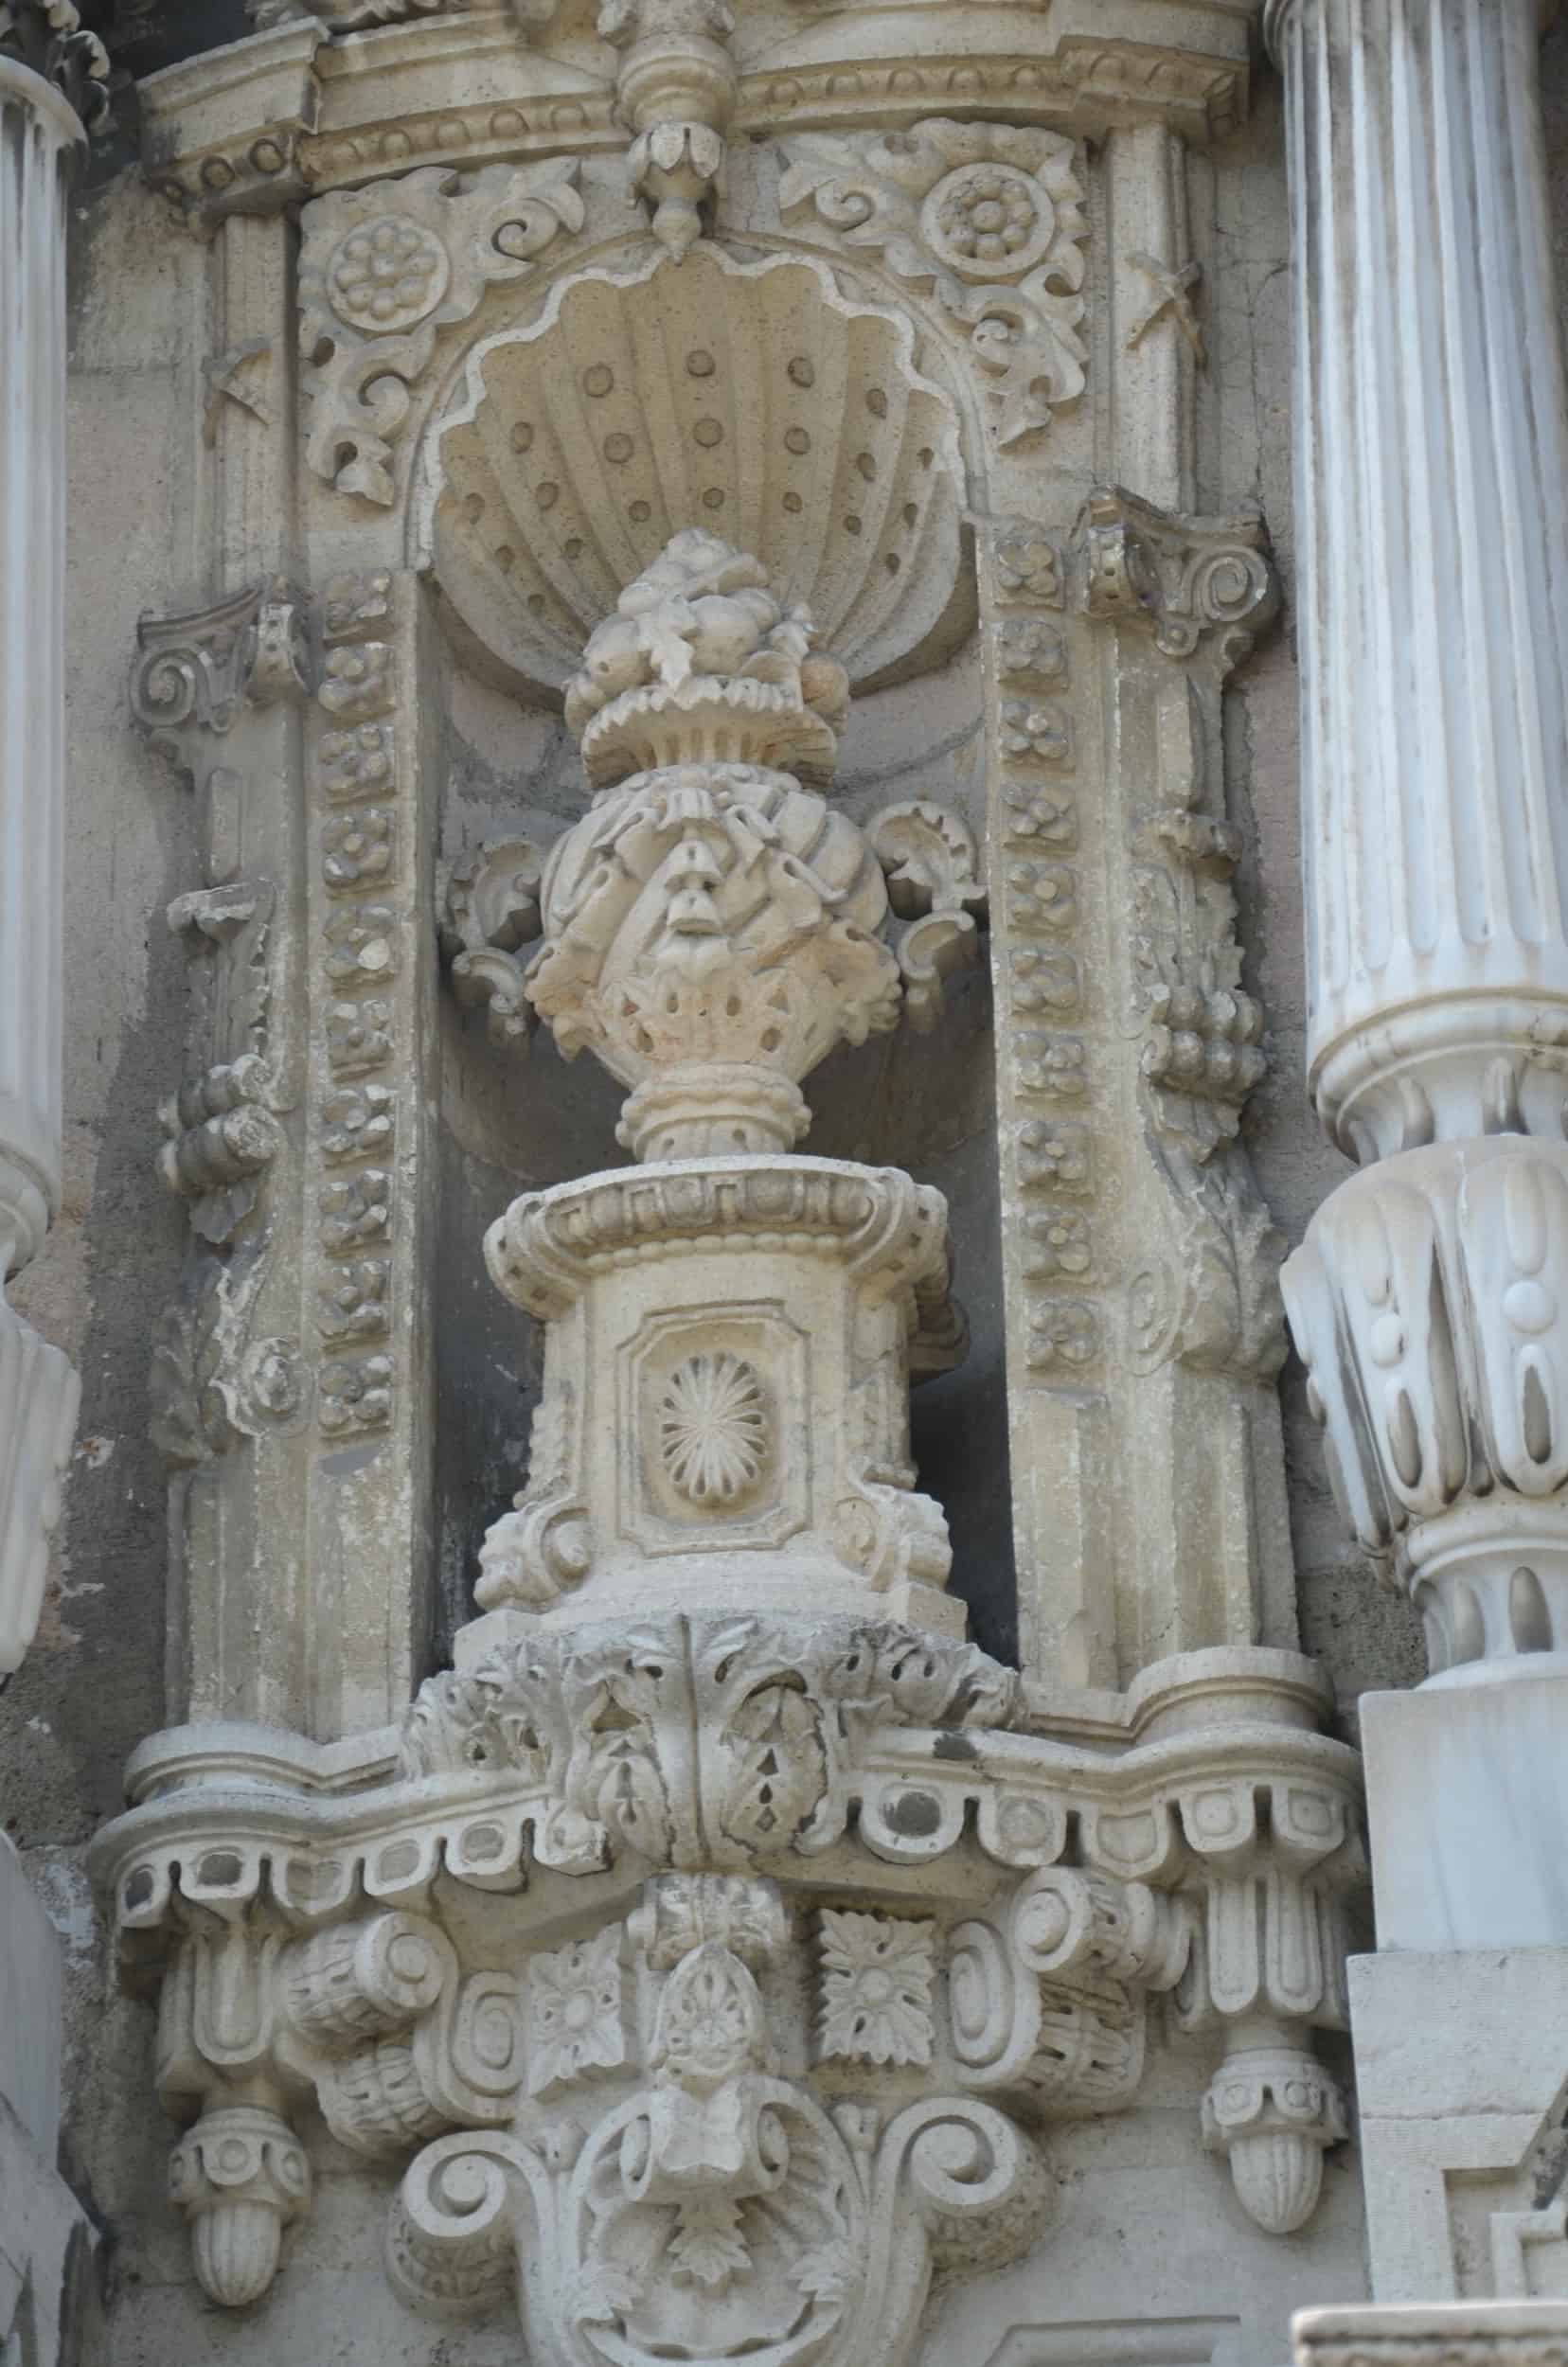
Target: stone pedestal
{"points": [[727, 1381]]}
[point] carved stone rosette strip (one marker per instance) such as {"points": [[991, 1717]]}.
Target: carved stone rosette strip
{"points": [[367, 1184], [831, 1888]]}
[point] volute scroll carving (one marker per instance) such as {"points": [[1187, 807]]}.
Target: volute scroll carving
{"points": [[832, 1981], [990, 217]]}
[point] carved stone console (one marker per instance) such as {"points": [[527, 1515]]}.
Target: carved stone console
{"points": [[766, 1949]]}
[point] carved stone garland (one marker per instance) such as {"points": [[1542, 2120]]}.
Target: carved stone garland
{"points": [[821, 1935]]}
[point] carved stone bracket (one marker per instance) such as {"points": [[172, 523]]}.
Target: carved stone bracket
{"points": [[1204, 589], [1186, 577], [206, 688], [819, 1906], [987, 215]]}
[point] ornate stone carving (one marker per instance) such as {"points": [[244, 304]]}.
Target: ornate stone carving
{"points": [[710, 929], [221, 1136], [1205, 588], [714, 1428], [633, 2082], [990, 218], [855, 506], [929, 856], [489, 911], [875, 1982], [575, 2011], [675, 93], [1184, 577], [1427, 1303], [383, 270], [213, 689], [196, 673]]}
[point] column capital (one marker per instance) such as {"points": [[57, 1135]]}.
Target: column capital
{"points": [[49, 39]]}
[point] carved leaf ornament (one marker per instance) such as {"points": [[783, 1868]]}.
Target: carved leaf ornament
{"points": [[991, 217]]}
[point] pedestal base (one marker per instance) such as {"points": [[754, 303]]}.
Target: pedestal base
{"points": [[1459, 2070]]}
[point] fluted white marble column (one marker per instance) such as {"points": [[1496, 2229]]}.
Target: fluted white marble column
{"points": [[1432, 493], [1429, 1300], [38, 1390]]}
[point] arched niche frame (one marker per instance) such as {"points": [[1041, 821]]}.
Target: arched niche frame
{"points": [[749, 395]]}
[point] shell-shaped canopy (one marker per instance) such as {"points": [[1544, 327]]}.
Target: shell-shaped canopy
{"points": [[750, 399]]}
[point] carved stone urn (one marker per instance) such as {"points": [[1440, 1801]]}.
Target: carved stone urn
{"points": [[731, 1330]]}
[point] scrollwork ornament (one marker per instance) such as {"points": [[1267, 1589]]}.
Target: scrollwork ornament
{"points": [[383, 270], [990, 217]]}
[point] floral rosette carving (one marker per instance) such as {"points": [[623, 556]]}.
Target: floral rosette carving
{"points": [[991, 217], [382, 269]]}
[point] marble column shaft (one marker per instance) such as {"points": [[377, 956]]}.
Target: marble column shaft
{"points": [[39, 135]]}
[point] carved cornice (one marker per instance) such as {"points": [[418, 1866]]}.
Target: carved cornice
{"points": [[885, 1230], [249, 126]]}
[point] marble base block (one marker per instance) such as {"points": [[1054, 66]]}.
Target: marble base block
{"points": [[1468, 1796]]}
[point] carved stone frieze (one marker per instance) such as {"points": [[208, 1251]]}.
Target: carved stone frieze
{"points": [[383, 270], [987, 215]]}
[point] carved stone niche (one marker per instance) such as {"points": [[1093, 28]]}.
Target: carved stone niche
{"points": [[752, 400], [724, 1975]]}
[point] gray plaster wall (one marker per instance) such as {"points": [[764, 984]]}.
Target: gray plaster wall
{"points": [[94, 1682]]}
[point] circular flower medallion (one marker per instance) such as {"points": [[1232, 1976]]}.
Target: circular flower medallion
{"points": [[713, 1428], [387, 275], [988, 221]]}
